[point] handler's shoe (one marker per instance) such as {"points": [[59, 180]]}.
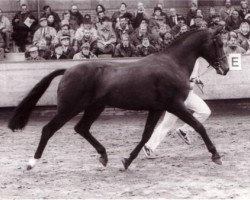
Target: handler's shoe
{"points": [[148, 152], [184, 136]]}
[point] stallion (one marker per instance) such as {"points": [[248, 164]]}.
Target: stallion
{"points": [[156, 83]]}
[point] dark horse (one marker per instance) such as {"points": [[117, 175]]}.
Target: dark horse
{"points": [[157, 83]]}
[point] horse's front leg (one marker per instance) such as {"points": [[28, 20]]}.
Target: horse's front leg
{"points": [[152, 119]]}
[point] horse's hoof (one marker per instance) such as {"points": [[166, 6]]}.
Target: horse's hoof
{"points": [[125, 163], [29, 167], [217, 160], [103, 160]]}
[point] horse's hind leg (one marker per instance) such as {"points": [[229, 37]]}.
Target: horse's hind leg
{"points": [[83, 126], [181, 111], [47, 132], [152, 119]]}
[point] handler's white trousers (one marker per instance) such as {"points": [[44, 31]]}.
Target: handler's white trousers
{"points": [[194, 103]]}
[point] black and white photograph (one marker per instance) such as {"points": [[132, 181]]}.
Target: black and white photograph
{"points": [[125, 99]]}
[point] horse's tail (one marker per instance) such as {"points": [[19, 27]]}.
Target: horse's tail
{"points": [[23, 110]]}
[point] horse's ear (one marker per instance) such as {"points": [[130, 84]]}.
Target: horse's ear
{"points": [[217, 31]]}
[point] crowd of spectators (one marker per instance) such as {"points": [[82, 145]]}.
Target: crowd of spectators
{"points": [[123, 34]]}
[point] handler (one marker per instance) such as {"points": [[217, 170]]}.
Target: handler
{"points": [[194, 103]]}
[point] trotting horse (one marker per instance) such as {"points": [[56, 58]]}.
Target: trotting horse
{"points": [[157, 83]]}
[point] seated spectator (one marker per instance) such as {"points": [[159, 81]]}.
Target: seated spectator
{"points": [[5, 31], [224, 37], [244, 10], [24, 25], [184, 28], [58, 53], [243, 35], [87, 37], [65, 30], [197, 22], [123, 27], [211, 14], [106, 38], [99, 19], [44, 50], [118, 14], [199, 14], [68, 50], [136, 37], [160, 5], [215, 21], [44, 32], [53, 18], [140, 14], [156, 20], [173, 18], [86, 25], [85, 53], [192, 13], [203, 25], [176, 29], [227, 10], [33, 54], [76, 17], [145, 48], [124, 48], [233, 22], [168, 38], [162, 31], [234, 47]]}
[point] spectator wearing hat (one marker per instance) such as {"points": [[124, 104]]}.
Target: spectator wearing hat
{"points": [[145, 48], [5, 31], [106, 38], [121, 13], [68, 50], [123, 27], [24, 25], [173, 17], [197, 22], [53, 18], [57, 53], [140, 14], [87, 37], [124, 48], [244, 10], [160, 5], [44, 32], [233, 22], [227, 10], [65, 30], [86, 25], [76, 17], [33, 53], [176, 29], [85, 53]]}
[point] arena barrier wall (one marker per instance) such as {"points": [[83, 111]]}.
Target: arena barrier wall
{"points": [[17, 79]]}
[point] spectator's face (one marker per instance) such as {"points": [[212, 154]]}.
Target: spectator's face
{"points": [[48, 10], [193, 8], [125, 41], [34, 54], [43, 23], [168, 36], [245, 28], [74, 9], [183, 29], [235, 14], [143, 29], [212, 11], [140, 7], [216, 20], [163, 29], [65, 42], [145, 42], [106, 24], [101, 15], [158, 13], [123, 22], [123, 8], [203, 25], [233, 42], [181, 22], [228, 3], [172, 12], [99, 8], [199, 13], [59, 50], [86, 34], [224, 38], [198, 21], [85, 51], [65, 30], [244, 4], [51, 19], [24, 8]]}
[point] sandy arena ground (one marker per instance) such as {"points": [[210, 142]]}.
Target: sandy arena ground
{"points": [[69, 167]]}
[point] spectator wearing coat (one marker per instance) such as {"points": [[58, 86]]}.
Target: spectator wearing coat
{"points": [[5, 31], [124, 48]]}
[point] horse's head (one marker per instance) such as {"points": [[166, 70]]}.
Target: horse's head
{"points": [[214, 52]]}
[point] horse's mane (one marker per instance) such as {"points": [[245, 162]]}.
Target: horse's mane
{"points": [[181, 37]]}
